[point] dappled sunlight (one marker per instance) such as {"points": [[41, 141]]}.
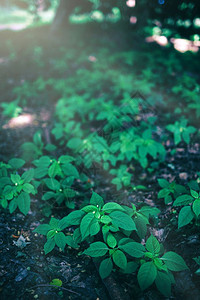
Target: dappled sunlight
{"points": [[92, 58], [14, 26], [183, 45], [3, 60], [133, 20], [16, 19], [130, 3], [161, 40], [21, 121]]}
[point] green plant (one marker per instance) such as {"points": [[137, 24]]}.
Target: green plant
{"points": [[11, 109], [158, 267], [115, 224], [153, 265], [15, 189], [32, 150], [181, 131], [169, 190], [59, 189], [55, 236], [109, 219], [191, 203], [197, 260]]}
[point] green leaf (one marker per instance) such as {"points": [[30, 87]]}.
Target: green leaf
{"points": [[168, 199], [5, 181], [194, 194], [23, 202], [16, 163], [40, 172], [122, 220], [141, 225], [74, 218], [54, 170], [173, 261], [152, 245], [52, 184], [4, 203], [177, 137], [186, 137], [134, 249], [193, 185], [163, 193], [42, 229], [28, 175], [163, 283], [70, 170], [54, 223], [74, 143], [42, 162], [124, 241], [131, 267], [77, 235], [142, 151], [48, 195], [64, 159], [28, 188], [119, 259], [30, 151], [70, 241], [105, 268], [111, 240], [85, 225], [185, 216], [50, 147], [105, 219], [49, 245], [183, 200], [89, 208], [51, 233], [16, 179], [149, 211], [8, 192], [37, 139], [163, 183], [69, 193], [146, 275], [96, 200], [56, 282], [12, 206], [196, 207], [60, 240], [94, 227], [111, 206], [159, 264], [96, 249]]}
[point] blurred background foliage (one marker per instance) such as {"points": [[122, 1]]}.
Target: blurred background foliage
{"points": [[158, 17]]}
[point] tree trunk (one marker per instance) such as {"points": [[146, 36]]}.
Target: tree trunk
{"points": [[66, 8]]}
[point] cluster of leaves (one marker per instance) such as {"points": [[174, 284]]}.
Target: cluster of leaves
{"points": [[60, 189], [114, 145], [56, 177], [181, 131], [116, 224], [128, 137], [187, 196], [15, 190], [11, 109]]}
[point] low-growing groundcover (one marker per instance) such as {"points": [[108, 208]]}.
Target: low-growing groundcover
{"points": [[102, 198]]}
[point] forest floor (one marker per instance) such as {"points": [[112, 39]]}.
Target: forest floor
{"points": [[25, 272]]}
